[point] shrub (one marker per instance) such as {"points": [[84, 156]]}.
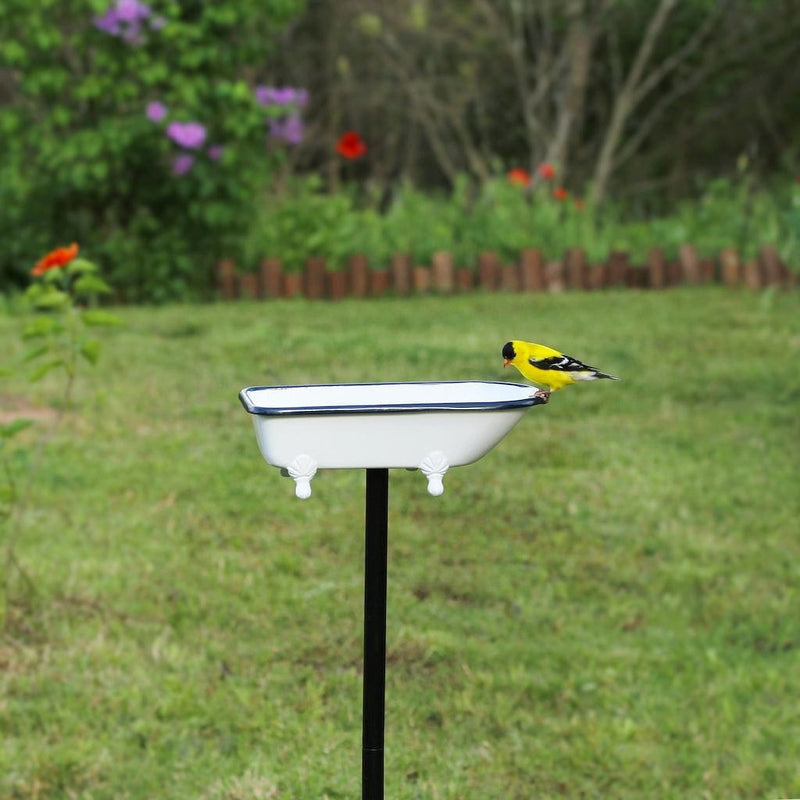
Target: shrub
{"points": [[133, 124], [505, 217]]}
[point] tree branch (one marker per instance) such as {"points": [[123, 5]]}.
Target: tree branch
{"points": [[624, 102], [679, 56]]}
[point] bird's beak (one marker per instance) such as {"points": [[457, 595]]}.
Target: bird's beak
{"points": [[506, 362]]}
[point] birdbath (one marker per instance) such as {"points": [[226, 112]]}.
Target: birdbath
{"points": [[425, 426]]}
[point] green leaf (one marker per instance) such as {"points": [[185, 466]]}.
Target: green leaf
{"points": [[13, 428], [51, 299], [96, 317], [13, 53], [7, 496], [370, 24], [90, 350], [91, 284], [80, 266], [32, 353], [40, 326], [53, 275], [43, 369]]}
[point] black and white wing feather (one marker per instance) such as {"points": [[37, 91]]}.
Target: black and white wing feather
{"points": [[565, 363]]}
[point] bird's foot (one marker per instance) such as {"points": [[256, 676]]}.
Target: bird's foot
{"points": [[544, 395]]}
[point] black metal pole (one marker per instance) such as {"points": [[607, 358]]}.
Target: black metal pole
{"points": [[375, 571]]}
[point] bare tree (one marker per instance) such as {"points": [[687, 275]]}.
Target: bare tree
{"points": [[602, 88], [642, 80]]}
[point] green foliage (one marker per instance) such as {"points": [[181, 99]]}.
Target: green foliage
{"points": [[80, 155], [789, 225], [303, 221], [505, 218], [300, 223], [60, 329], [59, 334], [421, 224]]}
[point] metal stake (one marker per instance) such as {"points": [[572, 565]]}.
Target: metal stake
{"points": [[375, 572]]}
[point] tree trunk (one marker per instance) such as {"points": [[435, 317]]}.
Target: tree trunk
{"points": [[625, 100], [579, 47]]}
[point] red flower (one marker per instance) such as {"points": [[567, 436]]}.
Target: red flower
{"points": [[351, 145], [519, 176], [560, 194], [580, 204], [55, 258], [547, 171]]}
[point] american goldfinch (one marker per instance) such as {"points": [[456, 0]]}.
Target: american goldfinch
{"points": [[548, 367]]}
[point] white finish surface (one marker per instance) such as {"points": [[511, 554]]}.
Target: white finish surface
{"points": [[432, 426]]}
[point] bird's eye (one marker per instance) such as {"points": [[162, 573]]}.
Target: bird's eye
{"points": [[508, 351]]}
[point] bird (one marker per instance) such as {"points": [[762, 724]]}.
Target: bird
{"points": [[546, 366]]}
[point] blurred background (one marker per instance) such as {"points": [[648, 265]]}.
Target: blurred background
{"points": [[165, 136]]}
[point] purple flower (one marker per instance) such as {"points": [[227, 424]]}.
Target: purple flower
{"points": [[182, 163], [284, 96], [214, 152], [156, 111], [291, 129], [190, 135], [264, 95], [125, 17], [132, 11], [108, 23]]}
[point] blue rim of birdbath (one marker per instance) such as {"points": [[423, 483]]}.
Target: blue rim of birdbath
{"points": [[382, 408]]}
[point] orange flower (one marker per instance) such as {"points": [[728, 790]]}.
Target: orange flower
{"points": [[547, 171], [351, 145], [560, 194], [519, 176], [55, 258]]}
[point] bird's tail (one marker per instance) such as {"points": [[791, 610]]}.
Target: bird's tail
{"points": [[606, 375]]}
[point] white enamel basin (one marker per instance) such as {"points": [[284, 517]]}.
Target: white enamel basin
{"points": [[430, 426]]}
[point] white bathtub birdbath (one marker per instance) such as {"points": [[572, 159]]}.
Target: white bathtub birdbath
{"points": [[425, 426]]}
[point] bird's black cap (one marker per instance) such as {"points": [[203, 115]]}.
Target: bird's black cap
{"points": [[508, 351]]}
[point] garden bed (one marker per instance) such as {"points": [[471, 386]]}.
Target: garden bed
{"points": [[531, 272]]}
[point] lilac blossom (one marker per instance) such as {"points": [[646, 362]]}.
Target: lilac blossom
{"points": [[125, 18], [281, 96], [108, 23], [291, 129], [132, 11], [190, 135], [264, 95], [156, 111], [215, 152], [182, 163]]}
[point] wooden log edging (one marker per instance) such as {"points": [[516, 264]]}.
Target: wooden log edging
{"points": [[531, 273]]}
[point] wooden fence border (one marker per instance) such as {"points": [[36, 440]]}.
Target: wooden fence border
{"points": [[530, 273]]}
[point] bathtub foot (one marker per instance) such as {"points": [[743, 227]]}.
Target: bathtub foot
{"points": [[302, 470], [433, 467]]}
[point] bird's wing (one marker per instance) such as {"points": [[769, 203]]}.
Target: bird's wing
{"points": [[560, 363]]}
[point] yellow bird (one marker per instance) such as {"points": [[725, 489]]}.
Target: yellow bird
{"points": [[548, 367]]}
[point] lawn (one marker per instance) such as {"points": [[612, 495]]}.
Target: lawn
{"points": [[606, 605]]}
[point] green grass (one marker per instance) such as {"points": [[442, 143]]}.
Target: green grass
{"points": [[606, 605]]}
